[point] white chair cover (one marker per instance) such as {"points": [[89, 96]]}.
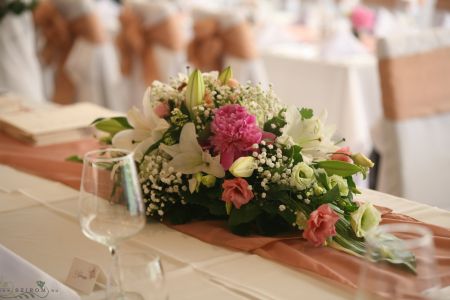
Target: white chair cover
{"points": [[93, 68], [243, 69], [19, 66], [414, 151], [170, 62]]}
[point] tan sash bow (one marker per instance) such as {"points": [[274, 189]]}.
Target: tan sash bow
{"points": [[60, 35], [136, 41], [211, 43], [416, 85]]}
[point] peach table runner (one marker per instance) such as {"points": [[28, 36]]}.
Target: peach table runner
{"points": [[49, 162]]}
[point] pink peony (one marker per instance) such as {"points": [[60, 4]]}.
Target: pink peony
{"points": [[162, 110], [236, 191], [363, 18], [234, 132], [345, 156], [320, 225]]}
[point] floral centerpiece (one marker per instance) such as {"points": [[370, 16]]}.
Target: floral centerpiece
{"points": [[208, 147]]}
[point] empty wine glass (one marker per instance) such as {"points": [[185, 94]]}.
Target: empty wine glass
{"points": [[143, 275], [384, 274], [110, 207]]}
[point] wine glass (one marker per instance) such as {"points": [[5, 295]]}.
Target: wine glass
{"points": [[383, 276], [142, 274], [110, 205]]}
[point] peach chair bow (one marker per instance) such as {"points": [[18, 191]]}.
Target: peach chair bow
{"points": [[60, 34], [214, 39], [136, 40]]}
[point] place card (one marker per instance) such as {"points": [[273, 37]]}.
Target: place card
{"points": [[83, 276]]}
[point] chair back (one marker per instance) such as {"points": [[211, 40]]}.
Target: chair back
{"points": [[413, 138], [415, 73], [61, 23], [152, 34]]}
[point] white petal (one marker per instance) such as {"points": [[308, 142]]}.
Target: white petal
{"points": [[142, 147], [127, 139], [192, 184], [173, 150], [136, 119], [188, 139], [211, 165], [147, 108], [187, 163]]}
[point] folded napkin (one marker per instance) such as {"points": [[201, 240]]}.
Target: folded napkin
{"points": [[19, 279], [327, 262]]}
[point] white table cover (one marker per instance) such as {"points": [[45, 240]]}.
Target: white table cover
{"points": [[348, 89], [48, 235]]}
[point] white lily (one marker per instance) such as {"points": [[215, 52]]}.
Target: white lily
{"points": [[147, 129], [188, 156], [310, 134]]}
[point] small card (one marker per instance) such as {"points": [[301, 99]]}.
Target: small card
{"points": [[83, 276]]}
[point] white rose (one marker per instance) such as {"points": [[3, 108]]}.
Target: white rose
{"points": [[302, 176], [243, 166]]}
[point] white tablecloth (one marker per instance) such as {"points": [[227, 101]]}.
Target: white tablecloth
{"points": [[348, 89], [38, 222]]}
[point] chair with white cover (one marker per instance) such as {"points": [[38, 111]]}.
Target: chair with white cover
{"points": [[225, 38], [442, 13], [151, 44], [19, 66], [77, 51], [413, 138]]}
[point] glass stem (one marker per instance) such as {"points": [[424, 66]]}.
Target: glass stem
{"points": [[115, 288]]}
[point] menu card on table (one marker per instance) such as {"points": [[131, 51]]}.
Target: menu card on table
{"points": [[53, 125]]}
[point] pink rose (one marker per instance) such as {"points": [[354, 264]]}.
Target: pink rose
{"points": [[236, 191], [320, 225], [162, 110], [345, 156]]}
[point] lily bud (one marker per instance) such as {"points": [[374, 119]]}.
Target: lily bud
{"points": [[194, 182], [195, 91], [225, 75], [209, 180], [243, 166], [362, 160], [364, 219], [301, 220]]}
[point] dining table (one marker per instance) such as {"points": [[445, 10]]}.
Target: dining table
{"points": [[39, 193]]}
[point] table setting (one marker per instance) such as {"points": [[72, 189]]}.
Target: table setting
{"points": [[243, 172], [182, 160]]}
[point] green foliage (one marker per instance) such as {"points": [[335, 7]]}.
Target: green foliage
{"points": [[329, 197], [336, 167], [274, 124], [74, 158], [112, 125], [245, 214], [294, 153], [306, 113]]}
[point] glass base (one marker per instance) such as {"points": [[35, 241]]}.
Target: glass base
{"points": [[126, 296]]}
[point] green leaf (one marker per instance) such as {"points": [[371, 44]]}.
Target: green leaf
{"points": [[332, 195], [245, 214], [306, 113], [112, 126], [337, 167], [74, 158], [279, 121], [323, 179], [351, 184]]}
